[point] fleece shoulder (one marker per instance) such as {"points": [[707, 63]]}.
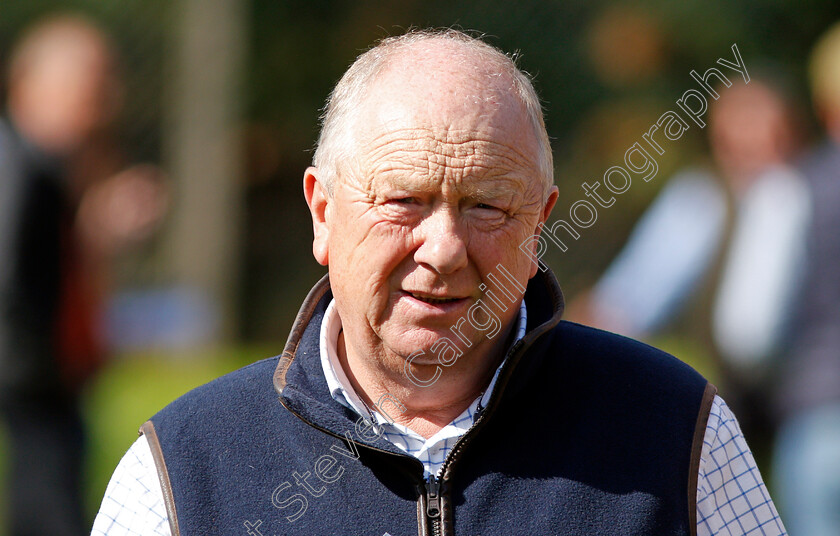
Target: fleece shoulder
{"points": [[250, 383], [604, 354]]}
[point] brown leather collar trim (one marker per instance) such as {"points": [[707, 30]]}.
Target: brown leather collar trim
{"points": [[531, 337], [696, 449], [301, 321], [148, 430], [556, 294]]}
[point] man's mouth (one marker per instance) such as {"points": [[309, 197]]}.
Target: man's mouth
{"points": [[431, 299]]}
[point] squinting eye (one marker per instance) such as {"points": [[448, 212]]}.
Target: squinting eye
{"points": [[405, 200], [486, 206]]}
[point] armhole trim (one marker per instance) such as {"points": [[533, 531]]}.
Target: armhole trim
{"points": [[708, 399], [148, 430]]}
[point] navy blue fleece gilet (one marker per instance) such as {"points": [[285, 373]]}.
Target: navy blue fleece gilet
{"points": [[587, 432]]}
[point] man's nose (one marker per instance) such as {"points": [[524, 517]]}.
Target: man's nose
{"points": [[443, 247]]}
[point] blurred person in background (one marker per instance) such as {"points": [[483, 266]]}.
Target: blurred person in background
{"points": [[807, 457], [721, 250], [66, 205]]}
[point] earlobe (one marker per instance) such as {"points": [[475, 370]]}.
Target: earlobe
{"points": [[315, 192]]}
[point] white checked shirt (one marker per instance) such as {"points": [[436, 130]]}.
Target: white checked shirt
{"points": [[731, 496]]}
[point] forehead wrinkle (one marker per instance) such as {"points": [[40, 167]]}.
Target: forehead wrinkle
{"points": [[488, 183], [463, 140], [467, 145], [397, 151]]}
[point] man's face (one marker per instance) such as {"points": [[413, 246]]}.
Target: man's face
{"points": [[447, 187]]}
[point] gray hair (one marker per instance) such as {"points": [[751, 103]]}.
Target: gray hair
{"points": [[336, 143]]}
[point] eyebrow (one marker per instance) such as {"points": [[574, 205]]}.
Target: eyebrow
{"points": [[498, 187]]}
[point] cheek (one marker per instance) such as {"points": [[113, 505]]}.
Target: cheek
{"points": [[366, 250], [502, 247]]}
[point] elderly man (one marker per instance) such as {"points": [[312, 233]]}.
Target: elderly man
{"points": [[428, 385]]}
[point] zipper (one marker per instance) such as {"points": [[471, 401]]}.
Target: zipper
{"points": [[433, 485], [433, 505]]}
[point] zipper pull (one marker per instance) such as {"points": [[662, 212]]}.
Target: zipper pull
{"points": [[479, 409], [432, 497]]}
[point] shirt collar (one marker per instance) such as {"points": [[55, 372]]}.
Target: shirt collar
{"points": [[340, 387]]}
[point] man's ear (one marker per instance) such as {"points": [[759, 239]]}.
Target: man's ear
{"points": [[546, 212], [318, 200], [549, 204]]}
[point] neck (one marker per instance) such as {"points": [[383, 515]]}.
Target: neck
{"points": [[424, 410]]}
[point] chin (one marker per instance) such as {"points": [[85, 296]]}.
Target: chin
{"points": [[410, 340]]}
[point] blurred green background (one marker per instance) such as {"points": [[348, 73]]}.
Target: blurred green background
{"points": [[605, 70]]}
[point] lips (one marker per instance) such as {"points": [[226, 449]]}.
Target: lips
{"points": [[432, 299]]}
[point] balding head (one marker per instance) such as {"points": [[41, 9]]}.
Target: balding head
{"points": [[448, 68]]}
